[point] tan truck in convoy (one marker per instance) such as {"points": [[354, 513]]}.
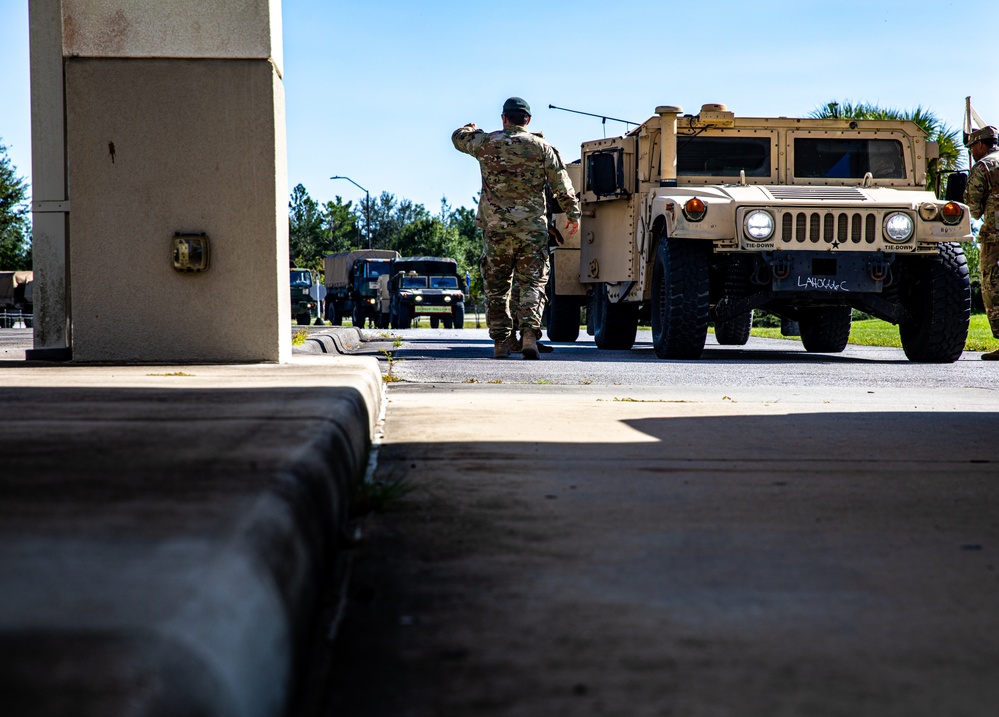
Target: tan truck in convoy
{"points": [[690, 220], [352, 284]]}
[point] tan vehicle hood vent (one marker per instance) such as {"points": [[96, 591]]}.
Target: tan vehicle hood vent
{"points": [[843, 194]]}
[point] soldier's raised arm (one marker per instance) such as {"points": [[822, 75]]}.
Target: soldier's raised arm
{"points": [[467, 139]]}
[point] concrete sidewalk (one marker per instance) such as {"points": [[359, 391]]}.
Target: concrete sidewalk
{"points": [[166, 532]]}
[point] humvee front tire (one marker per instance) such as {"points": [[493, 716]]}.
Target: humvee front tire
{"points": [[825, 329], [458, 316], [304, 318], [614, 325], [937, 292], [734, 331], [681, 286], [404, 318]]}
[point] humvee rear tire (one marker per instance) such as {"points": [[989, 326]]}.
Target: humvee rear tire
{"points": [[561, 312], [734, 331], [825, 329], [937, 292], [458, 317], [563, 320], [681, 286], [614, 325]]}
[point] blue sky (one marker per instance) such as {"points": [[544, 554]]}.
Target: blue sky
{"points": [[374, 89]]}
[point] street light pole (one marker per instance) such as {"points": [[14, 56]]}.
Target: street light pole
{"points": [[367, 207]]}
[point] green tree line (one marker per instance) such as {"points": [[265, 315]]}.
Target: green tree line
{"points": [[15, 227]]}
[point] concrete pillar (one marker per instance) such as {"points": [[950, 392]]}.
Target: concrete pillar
{"points": [[175, 126], [50, 202]]}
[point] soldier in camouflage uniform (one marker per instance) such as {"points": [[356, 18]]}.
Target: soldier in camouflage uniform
{"points": [[515, 166], [982, 197]]}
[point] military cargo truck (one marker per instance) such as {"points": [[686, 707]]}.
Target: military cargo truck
{"points": [[426, 286], [303, 306], [352, 284], [694, 219]]}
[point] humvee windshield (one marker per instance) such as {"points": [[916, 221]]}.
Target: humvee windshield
{"points": [[301, 278], [414, 282], [443, 282], [848, 158], [722, 156]]}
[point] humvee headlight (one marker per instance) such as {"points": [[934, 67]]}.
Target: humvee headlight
{"points": [[418, 299], [898, 227], [759, 225], [447, 299], [694, 209], [928, 211], [951, 213]]}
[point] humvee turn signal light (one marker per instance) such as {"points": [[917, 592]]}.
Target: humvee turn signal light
{"points": [[951, 213], [694, 209]]}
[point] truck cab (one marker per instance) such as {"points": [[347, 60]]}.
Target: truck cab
{"points": [[303, 306]]}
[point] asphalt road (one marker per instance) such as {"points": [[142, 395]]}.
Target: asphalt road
{"points": [[429, 356], [762, 532]]}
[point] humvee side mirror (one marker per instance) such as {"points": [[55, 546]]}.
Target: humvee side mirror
{"points": [[956, 184], [605, 173]]}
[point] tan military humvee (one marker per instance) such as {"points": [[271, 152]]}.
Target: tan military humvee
{"points": [[694, 219]]}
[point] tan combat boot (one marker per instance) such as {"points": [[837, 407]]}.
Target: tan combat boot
{"points": [[529, 339], [516, 345], [501, 348], [991, 356]]}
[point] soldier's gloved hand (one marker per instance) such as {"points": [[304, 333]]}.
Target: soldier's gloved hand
{"points": [[573, 227]]}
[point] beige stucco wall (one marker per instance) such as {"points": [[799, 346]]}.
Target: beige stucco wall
{"points": [[219, 29], [158, 146]]}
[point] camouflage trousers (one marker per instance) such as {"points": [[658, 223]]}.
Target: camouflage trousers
{"points": [[989, 264], [509, 258]]}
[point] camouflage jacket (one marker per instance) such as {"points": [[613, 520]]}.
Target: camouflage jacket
{"points": [[982, 193], [515, 166]]}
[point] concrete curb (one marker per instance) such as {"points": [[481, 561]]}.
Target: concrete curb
{"points": [[336, 339], [163, 549]]}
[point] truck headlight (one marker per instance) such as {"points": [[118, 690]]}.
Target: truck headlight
{"points": [[759, 225], [418, 299], [447, 299], [898, 227]]}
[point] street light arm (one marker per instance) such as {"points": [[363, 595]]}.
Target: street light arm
{"points": [[367, 206], [352, 182]]}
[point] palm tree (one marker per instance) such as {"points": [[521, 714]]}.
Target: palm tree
{"points": [[950, 157]]}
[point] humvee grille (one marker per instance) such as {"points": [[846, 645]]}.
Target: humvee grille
{"points": [[842, 194], [829, 227]]}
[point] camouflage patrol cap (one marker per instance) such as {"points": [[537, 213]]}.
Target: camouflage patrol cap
{"points": [[516, 104], [986, 134]]}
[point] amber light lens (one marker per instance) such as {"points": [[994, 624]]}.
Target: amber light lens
{"points": [[952, 213], [695, 209]]}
